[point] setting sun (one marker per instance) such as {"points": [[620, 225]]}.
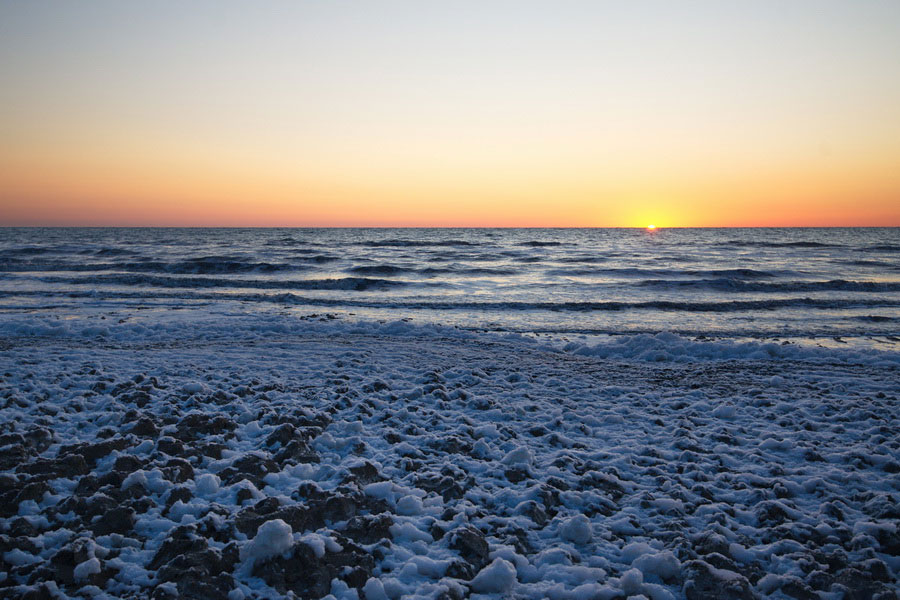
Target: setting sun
{"points": [[651, 226]]}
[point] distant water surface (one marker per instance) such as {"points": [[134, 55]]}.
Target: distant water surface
{"points": [[808, 285]]}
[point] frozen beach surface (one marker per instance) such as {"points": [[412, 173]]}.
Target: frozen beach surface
{"points": [[264, 458]]}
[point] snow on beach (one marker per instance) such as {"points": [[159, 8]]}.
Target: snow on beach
{"points": [[260, 457]]}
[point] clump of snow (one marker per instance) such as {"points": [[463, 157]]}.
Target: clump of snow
{"points": [[497, 577], [724, 411], [84, 570], [520, 456], [631, 581], [207, 485], [194, 387], [273, 538], [374, 590], [576, 529], [409, 505], [663, 564]]}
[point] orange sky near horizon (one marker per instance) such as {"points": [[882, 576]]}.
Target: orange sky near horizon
{"points": [[400, 114]]}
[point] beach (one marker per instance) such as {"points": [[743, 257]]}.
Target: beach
{"points": [[258, 457]]}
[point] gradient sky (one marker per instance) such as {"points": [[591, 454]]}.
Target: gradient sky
{"points": [[471, 113]]}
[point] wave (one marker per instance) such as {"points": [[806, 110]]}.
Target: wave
{"points": [[345, 283], [869, 263], [192, 266], [540, 244], [477, 271], [115, 252], [389, 270], [400, 243], [882, 248], [798, 244], [418, 303], [734, 285], [638, 272], [381, 270]]}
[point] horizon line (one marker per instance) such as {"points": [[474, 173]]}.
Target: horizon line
{"points": [[657, 227]]}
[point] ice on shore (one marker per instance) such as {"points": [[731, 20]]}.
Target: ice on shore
{"points": [[396, 461]]}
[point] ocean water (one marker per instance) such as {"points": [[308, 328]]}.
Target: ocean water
{"points": [[830, 286]]}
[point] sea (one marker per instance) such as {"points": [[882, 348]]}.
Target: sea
{"points": [[823, 286]]}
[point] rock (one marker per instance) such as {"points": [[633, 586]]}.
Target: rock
{"points": [[73, 565], [369, 529], [145, 428], [366, 473], [197, 570], [178, 470], [859, 585], [516, 475], [297, 451], [309, 576], [445, 485], [181, 493], [702, 581], [535, 512], [282, 435], [94, 452], [252, 467], [128, 464], [170, 446], [471, 545], [709, 542], [118, 520]]}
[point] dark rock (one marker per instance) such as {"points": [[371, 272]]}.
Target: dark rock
{"points": [[771, 513], [118, 520], [61, 566], [308, 576], [180, 493], [87, 486], [703, 582], [282, 435], [197, 570], [709, 542], [252, 467], [13, 456], [859, 585], [366, 473], [212, 450], [516, 475], [91, 453], [170, 446], [178, 470], [471, 545], [535, 512], [601, 481], [447, 486], [145, 428], [796, 588], [197, 425], [460, 569], [128, 464], [21, 528], [297, 451], [369, 529], [32, 491]]}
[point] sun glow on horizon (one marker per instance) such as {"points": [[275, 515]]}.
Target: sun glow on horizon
{"points": [[460, 114]]}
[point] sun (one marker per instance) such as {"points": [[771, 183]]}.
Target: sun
{"points": [[651, 227]]}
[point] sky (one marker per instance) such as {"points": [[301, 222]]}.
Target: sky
{"points": [[464, 113]]}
